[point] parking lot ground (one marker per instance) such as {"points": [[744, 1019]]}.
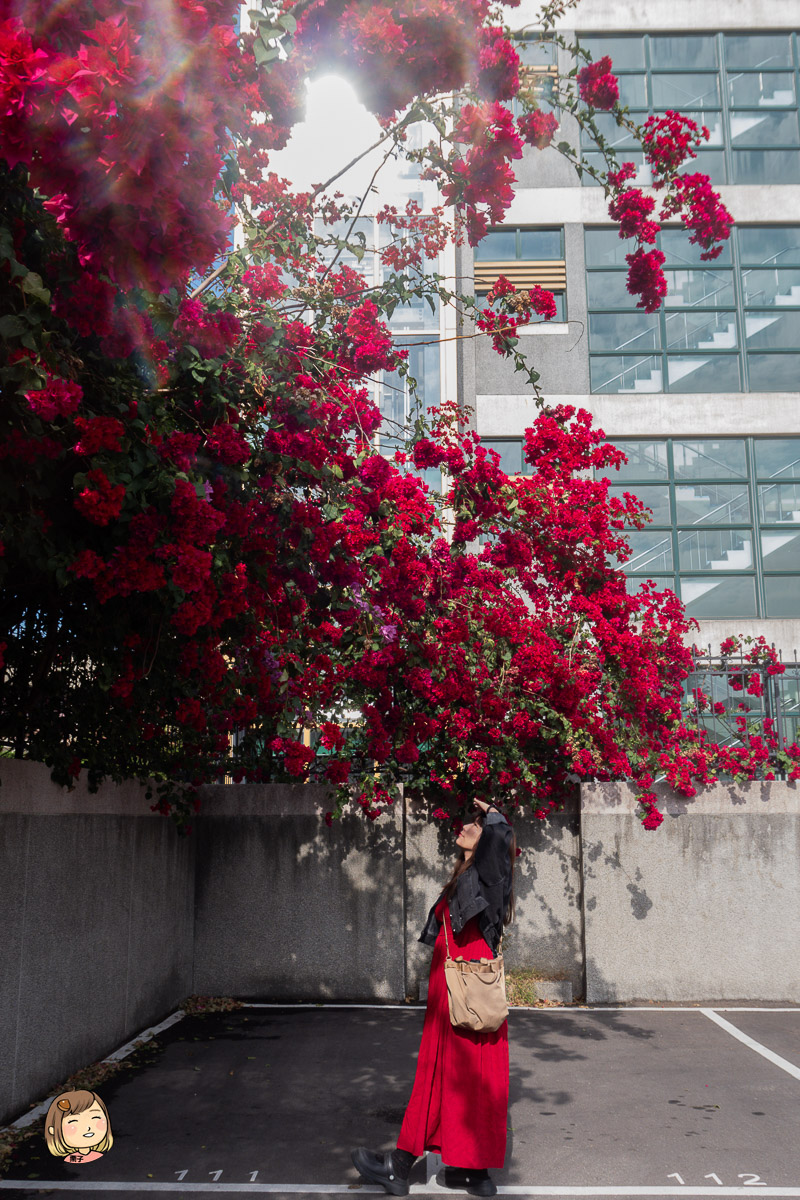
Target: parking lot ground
{"points": [[612, 1102]]}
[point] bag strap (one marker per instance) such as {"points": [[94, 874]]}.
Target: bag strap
{"points": [[445, 920]]}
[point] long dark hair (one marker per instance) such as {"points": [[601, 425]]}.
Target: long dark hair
{"points": [[462, 864]]}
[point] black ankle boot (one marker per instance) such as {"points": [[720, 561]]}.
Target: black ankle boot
{"points": [[474, 1181], [379, 1168]]}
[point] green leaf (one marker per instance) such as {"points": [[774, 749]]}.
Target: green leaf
{"points": [[33, 286], [12, 326], [264, 54]]}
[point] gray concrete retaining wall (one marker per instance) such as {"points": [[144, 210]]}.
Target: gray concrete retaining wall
{"points": [[97, 930], [703, 909], [287, 908]]}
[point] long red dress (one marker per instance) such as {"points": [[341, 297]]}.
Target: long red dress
{"points": [[459, 1102]]}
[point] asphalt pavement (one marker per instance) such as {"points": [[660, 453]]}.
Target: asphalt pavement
{"points": [[610, 1102]]}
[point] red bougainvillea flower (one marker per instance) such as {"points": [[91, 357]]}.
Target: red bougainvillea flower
{"points": [[704, 214], [498, 65], [646, 278], [597, 87], [669, 140], [538, 128], [542, 302], [58, 398], [98, 433], [632, 209], [101, 502]]}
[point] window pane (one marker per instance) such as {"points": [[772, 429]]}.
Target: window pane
{"points": [[713, 123], [695, 289], [430, 475], [758, 50], [654, 497], [715, 549], [772, 330], [662, 582], [712, 504], [534, 53], [646, 460], [722, 458], [764, 128], [709, 162], [779, 503], [540, 244], [397, 404], [685, 91], [778, 244], [633, 90], [628, 373], [783, 596], [766, 166], [624, 52], [510, 452], [678, 249], [651, 551], [498, 245], [698, 374], [608, 289], [778, 286], [624, 332], [755, 90], [778, 457], [780, 551], [605, 248], [614, 134], [774, 372], [414, 313], [719, 598], [683, 50], [701, 331], [643, 176]]}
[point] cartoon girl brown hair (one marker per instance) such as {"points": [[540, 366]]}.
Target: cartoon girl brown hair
{"points": [[78, 1128]]}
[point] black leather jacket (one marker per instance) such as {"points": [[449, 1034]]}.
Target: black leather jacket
{"points": [[484, 889]]}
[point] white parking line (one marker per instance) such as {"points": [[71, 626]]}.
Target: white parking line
{"points": [[417, 1189], [764, 1051], [116, 1056], [555, 1008]]}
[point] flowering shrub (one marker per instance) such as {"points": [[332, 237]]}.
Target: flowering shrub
{"points": [[207, 569]]}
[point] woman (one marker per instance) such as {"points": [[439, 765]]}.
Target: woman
{"points": [[459, 1102]]}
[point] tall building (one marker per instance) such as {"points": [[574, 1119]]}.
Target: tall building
{"points": [[703, 396]]}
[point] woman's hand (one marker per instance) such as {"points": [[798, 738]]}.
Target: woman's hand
{"points": [[483, 805]]}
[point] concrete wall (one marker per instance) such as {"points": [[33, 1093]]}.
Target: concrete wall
{"points": [[703, 909], [287, 908], [97, 929]]}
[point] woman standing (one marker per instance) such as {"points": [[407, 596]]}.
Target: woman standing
{"points": [[459, 1102]]}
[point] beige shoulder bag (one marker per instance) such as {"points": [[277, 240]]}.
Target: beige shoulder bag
{"points": [[476, 991]]}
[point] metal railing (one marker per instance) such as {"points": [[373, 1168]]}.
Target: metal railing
{"points": [[725, 682]]}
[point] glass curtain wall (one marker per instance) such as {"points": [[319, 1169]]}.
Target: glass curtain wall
{"points": [[742, 86], [727, 326], [725, 528]]}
